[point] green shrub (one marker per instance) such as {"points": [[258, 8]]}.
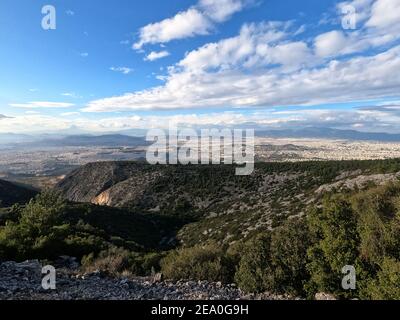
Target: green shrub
{"points": [[114, 261], [255, 265], [386, 286], [289, 244], [276, 262], [336, 245], [208, 262]]}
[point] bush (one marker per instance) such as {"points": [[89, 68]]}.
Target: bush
{"points": [[386, 286], [117, 261], [336, 245], [255, 265], [38, 231], [276, 262], [289, 244], [114, 261], [208, 262]]}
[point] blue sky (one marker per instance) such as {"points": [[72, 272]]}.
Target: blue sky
{"points": [[117, 65]]}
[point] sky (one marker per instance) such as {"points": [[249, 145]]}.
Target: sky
{"points": [[112, 66]]}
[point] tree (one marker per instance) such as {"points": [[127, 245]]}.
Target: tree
{"points": [[336, 245], [255, 265], [289, 244]]}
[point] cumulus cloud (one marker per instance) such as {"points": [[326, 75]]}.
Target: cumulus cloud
{"points": [[221, 10], [330, 43], [262, 66], [385, 14], [197, 20], [183, 25], [42, 104], [377, 24], [156, 55], [340, 81]]}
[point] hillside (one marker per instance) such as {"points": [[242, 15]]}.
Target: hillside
{"points": [[289, 228], [220, 205], [11, 193]]}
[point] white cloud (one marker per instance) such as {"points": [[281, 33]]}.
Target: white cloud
{"points": [[377, 24], [221, 10], [42, 104], [183, 25], [197, 20], [70, 95], [362, 9], [156, 55], [373, 118], [330, 43], [248, 48], [263, 66], [211, 84], [384, 14], [124, 70]]}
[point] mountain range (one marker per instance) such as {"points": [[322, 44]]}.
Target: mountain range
{"points": [[329, 133], [135, 138]]}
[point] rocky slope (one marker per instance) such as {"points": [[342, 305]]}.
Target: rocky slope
{"points": [[22, 281]]}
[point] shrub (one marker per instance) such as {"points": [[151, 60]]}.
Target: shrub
{"points": [[114, 261], [276, 262], [336, 245], [255, 265], [208, 262], [117, 261], [289, 244], [386, 286]]}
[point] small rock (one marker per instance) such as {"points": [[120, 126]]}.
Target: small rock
{"points": [[324, 296], [158, 277]]}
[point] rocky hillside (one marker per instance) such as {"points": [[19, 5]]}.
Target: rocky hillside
{"points": [[11, 193], [22, 281], [220, 205]]}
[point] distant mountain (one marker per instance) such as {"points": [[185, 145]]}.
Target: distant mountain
{"points": [[13, 138], [11, 193], [329, 133], [93, 141]]}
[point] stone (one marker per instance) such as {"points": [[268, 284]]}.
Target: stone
{"points": [[158, 277], [324, 296]]}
